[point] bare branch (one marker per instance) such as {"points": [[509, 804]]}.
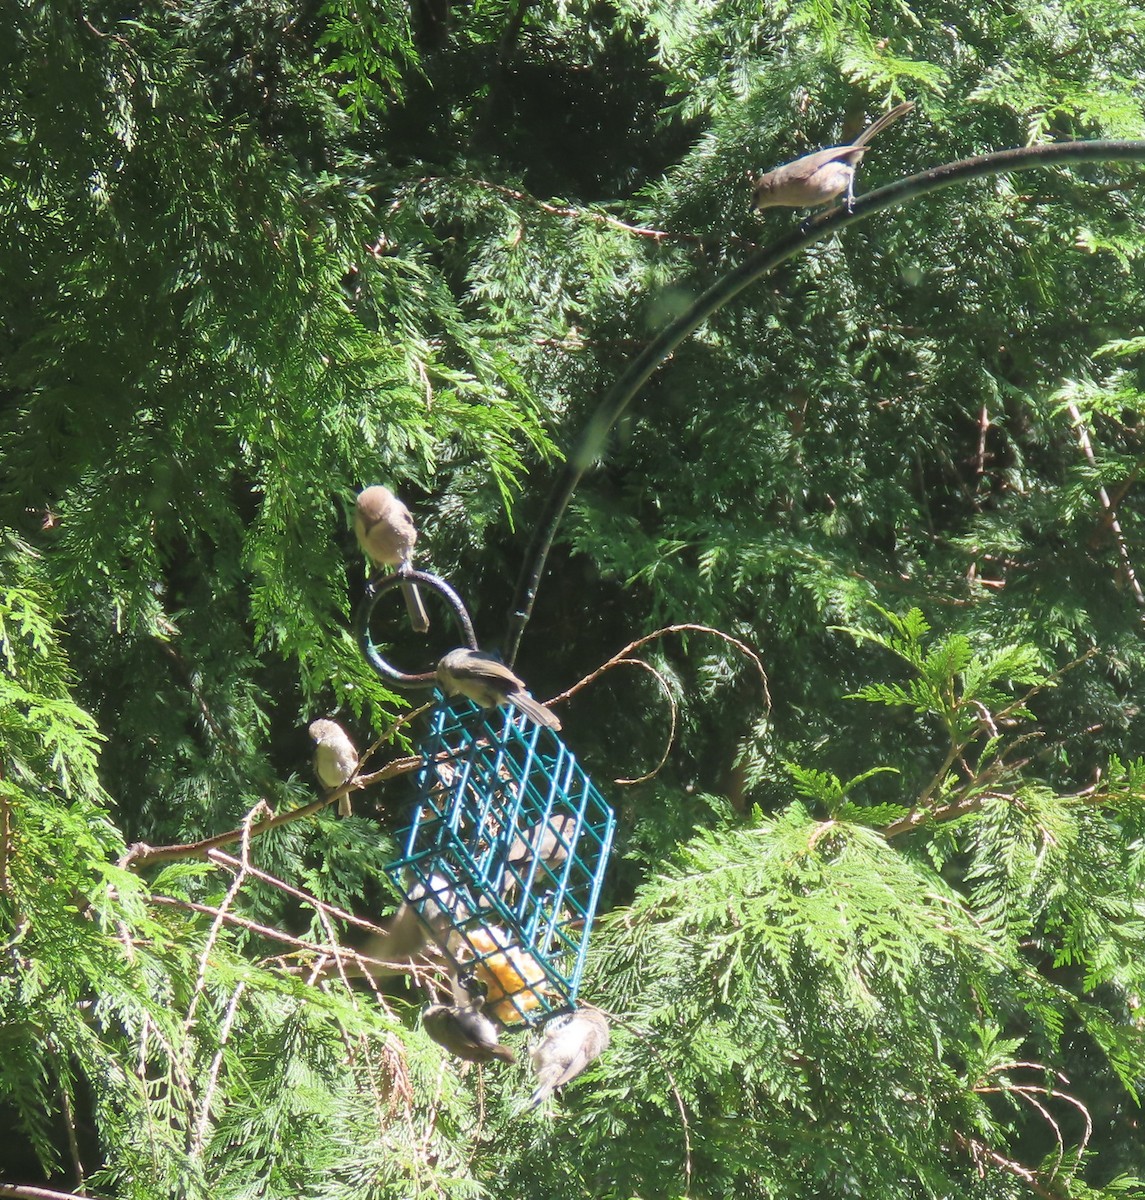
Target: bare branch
{"points": [[670, 740], [628, 650]]}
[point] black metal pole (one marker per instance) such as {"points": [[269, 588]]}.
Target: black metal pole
{"points": [[590, 445]]}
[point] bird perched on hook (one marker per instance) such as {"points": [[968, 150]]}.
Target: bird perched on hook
{"points": [[335, 759], [819, 177], [570, 1043], [489, 683], [465, 1031], [386, 533]]}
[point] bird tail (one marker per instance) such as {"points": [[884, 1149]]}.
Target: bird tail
{"points": [[415, 606], [538, 1098], [535, 710], [888, 118]]}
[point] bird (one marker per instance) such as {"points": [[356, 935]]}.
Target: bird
{"points": [[545, 843], [386, 533], [465, 1031], [427, 913], [489, 683], [511, 977], [335, 759], [819, 177], [570, 1043]]}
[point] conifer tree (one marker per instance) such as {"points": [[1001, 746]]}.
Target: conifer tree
{"points": [[873, 924]]}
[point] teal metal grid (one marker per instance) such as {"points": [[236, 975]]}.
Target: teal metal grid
{"points": [[505, 856]]}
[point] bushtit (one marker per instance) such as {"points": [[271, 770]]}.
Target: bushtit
{"points": [[408, 931], [570, 1043], [335, 759], [464, 1030], [489, 683], [819, 177], [386, 533], [545, 842]]}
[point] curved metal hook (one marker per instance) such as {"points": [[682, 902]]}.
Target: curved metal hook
{"points": [[375, 589]]}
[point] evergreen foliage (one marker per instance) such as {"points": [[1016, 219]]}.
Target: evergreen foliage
{"points": [[875, 924]]}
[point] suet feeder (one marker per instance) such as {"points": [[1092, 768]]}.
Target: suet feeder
{"points": [[506, 853], [505, 856]]}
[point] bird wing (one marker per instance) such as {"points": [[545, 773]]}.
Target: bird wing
{"points": [[472, 664]]}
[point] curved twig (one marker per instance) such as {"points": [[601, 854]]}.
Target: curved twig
{"points": [[672, 712], [686, 627]]}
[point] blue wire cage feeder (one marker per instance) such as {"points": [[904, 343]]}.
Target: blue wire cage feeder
{"points": [[505, 856]]}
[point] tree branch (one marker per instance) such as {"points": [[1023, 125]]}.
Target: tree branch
{"points": [[142, 855]]}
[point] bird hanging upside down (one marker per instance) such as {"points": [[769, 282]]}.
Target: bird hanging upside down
{"points": [[570, 1043], [465, 1031]]}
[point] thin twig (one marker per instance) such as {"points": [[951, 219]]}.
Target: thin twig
{"points": [[24, 1191], [213, 1075], [1111, 511], [221, 914], [582, 214], [669, 741], [141, 855], [627, 651], [978, 1149], [362, 961], [228, 860]]}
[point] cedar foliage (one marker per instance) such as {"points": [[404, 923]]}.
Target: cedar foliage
{"points": [[877, 932]]}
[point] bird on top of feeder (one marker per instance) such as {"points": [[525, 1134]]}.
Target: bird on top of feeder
{"points": [[465, 1031], [335, 759], [489, 683], [570, 1043], [386, 533], [819, 177]]}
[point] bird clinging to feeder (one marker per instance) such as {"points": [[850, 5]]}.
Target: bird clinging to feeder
{"points": [[465, 1031], [570, 1043]]}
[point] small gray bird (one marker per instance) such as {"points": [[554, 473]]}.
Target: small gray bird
{"points": [[570, 1043], [408, 934], [819, 177], [465, 1031], [489, 683], [386, 533], [335, 759], [545, 842]]}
